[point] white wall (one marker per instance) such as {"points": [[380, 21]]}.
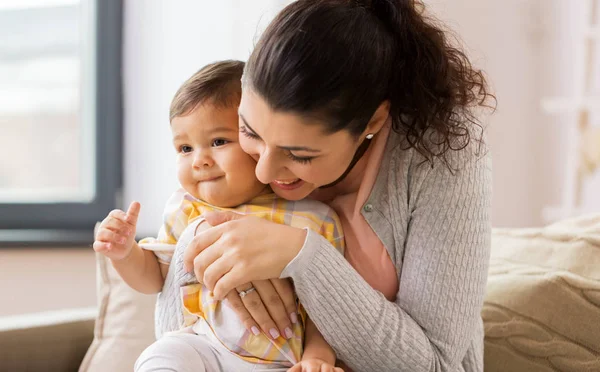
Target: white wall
{"points": [[523, 45], [526, 48]]}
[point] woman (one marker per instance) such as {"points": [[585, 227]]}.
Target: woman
{"points": [[363, 105]]}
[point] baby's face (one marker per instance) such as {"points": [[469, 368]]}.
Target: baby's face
{"points": [[211, 165]]}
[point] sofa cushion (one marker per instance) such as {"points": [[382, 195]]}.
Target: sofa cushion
{"points": [[47, 341], [125, 323], [542, 309]]}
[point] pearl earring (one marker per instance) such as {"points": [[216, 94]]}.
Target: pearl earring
{"points": [[370, 136]]}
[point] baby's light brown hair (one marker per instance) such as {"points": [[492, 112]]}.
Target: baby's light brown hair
{"points": [[218, 83]]}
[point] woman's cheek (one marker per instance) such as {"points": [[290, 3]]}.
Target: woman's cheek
{"points": [[303, 172], [248, 147]]}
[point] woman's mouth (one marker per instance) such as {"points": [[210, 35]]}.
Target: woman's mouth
{"points": [[288, 184]]}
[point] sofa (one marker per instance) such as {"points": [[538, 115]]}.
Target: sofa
{"points": [[541, 311]]}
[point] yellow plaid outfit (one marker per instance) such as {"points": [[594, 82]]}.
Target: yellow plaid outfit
{"points": [[182, 209]]}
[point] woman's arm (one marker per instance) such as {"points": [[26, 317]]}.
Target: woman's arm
{"points": [[432, 323]]}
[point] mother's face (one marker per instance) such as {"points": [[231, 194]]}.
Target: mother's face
{"points": [[293, 154]]}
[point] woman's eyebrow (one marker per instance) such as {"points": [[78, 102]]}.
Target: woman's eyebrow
{"points": [[288, 148]]}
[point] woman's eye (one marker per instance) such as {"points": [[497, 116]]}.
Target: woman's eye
{"points": [[300, 159], [185, 149], [219, 142], [248, 134]]}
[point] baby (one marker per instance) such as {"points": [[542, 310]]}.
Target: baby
{"points": [[215, 174]]}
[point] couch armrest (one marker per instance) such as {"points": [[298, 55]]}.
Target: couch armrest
{"points": [[49, 341]]}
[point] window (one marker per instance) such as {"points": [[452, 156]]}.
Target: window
{"points": [[60, 118]]}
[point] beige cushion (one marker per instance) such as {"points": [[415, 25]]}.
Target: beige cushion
{"points": [[542, 309], [48, 341], [125, 323]]}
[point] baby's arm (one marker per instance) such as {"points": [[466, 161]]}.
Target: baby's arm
{"points": [[317, 353], [141, 270], [115, 239]]}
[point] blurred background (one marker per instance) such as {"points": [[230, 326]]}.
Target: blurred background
{"points": [[58, 143]]}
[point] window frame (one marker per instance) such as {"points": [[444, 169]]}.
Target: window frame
{"points": [[72, 223]]}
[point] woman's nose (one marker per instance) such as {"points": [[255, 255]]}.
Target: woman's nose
{"points": [[266, 167]]}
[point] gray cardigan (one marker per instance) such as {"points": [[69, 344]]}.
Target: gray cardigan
{"points": [[435, 224]]}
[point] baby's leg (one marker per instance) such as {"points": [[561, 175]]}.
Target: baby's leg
{"points": [[180, 352]]}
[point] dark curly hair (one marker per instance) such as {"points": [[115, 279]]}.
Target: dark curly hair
{"points": [[338, 60]]}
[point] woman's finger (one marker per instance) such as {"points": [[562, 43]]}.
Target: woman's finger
{"points": [[217, 218], [235, 302], [214, 272], [326, 368], [200, 242], [286, 292], [228, 282], [259, 313], [204, 260], [274, 305], [296, 368]]}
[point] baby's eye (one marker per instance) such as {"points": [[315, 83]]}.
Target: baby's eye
{"points": [[185, 149], [219, 142]]}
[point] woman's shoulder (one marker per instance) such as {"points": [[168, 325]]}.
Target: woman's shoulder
{"points": [[405, 171], [402, 158]]}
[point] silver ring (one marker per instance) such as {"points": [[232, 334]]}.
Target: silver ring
{"points": [[246, 292]]}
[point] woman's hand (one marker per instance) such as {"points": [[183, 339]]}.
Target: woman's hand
{"points": [[270, 308], [240, 249]]}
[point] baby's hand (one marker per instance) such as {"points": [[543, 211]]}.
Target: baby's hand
{"points": [[314, 365], [116, 234]]}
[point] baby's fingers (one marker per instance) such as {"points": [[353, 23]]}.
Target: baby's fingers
{"points": [[118, 214], [132, 213], [101, 247], [118, 226], [108, 236]]}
